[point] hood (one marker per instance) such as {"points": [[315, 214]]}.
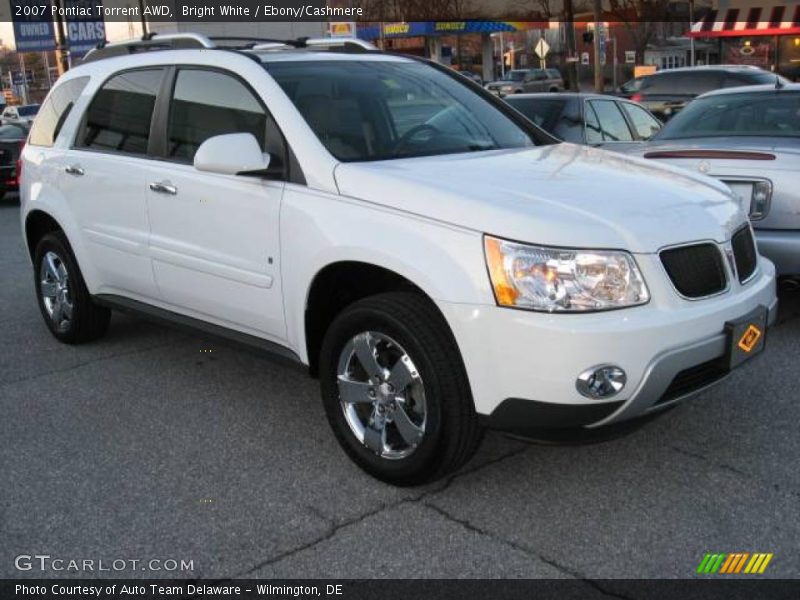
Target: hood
{"points": [[559, 195]]}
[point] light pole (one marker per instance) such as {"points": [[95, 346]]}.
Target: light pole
{"points": [[599, 86], [143, 18], [691, 37]]}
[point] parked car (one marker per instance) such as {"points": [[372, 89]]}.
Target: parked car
{"points": [[518, 81], [19, 114], [437, 260], [630, 87], [473, 76], [12, 140], [665, 93], [591, 119], [750, 139]]}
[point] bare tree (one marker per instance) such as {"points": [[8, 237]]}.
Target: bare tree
{"points": [[641, 18]]}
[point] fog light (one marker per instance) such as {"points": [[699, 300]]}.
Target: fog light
{"points": [[604, 381]]}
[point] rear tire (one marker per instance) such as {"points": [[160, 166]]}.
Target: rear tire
{"points": [[408, 417], [65, 303]]}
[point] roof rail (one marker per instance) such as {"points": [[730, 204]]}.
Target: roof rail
{"points": [[352, 43], [247, 43], [150, 42], [183, 41]]}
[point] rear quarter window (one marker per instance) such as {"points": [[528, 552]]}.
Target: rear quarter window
{"points": [[55, 110]]}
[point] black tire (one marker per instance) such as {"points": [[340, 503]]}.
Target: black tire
{"points": [[88, 321], [452, 432]]}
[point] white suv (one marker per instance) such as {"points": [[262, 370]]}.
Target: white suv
{"points": [[440, 263]]}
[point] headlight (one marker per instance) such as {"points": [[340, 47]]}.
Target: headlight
{"points": [[507, 88], [562, 280]]}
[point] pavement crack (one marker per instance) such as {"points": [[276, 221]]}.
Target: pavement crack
{"points": [[332, 530], [700, 456], [335, 527], [730, 469], [469, 526]]}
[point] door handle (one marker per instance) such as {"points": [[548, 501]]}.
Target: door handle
{"points": [[164, 188], [75, 170]]}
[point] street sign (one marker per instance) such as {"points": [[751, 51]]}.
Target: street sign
{"points": [[33, 25], [630, 57], [542, 48], [584, 58], [84, 33]]}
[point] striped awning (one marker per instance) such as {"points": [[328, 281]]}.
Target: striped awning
{"points": [[735, 22]]}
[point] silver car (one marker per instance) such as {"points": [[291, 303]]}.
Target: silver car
{"points": [[748, 137], [518, 81]]}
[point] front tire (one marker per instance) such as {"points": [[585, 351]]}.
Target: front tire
{"points": [[64, 301], [395, 390]]}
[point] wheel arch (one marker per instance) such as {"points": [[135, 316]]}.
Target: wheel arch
{"points": [[38, 223], [337, 285]]}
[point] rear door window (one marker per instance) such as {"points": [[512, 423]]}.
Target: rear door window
{"points": [[646, 125], [120, 115], [612, 122], [545, 112], [55, 111], [209, 103], [594, 135]]}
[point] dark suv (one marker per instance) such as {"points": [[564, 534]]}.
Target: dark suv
{"points": [[666, 92]]}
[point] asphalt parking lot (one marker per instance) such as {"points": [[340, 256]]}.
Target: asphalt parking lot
{"points": [[153, 443]]}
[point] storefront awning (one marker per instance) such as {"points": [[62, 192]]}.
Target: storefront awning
{"points": [[374, 31], [739, 22]]}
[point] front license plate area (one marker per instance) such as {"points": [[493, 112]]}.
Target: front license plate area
{"points": [[746, 336]]}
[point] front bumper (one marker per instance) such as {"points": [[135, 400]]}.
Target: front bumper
{"points": [[523, 365], [782, 247]]}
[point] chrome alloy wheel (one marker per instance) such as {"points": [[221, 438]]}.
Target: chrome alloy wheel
{"points": [[54, 285], [382, 395]]}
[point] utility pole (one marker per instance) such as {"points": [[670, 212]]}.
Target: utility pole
{"points": [[24, 78], [691, 39], [47, 70], [599, 86], [143, 18], [62, 58], [613, 40], [569, 38]]}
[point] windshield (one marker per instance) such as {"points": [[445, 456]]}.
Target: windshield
{"points": [[28, 111], [514, 76], [634, 85], [746, 114], [378, 110]]}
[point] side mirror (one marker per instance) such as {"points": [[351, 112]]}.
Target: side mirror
{"points": [[231, 154]]}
